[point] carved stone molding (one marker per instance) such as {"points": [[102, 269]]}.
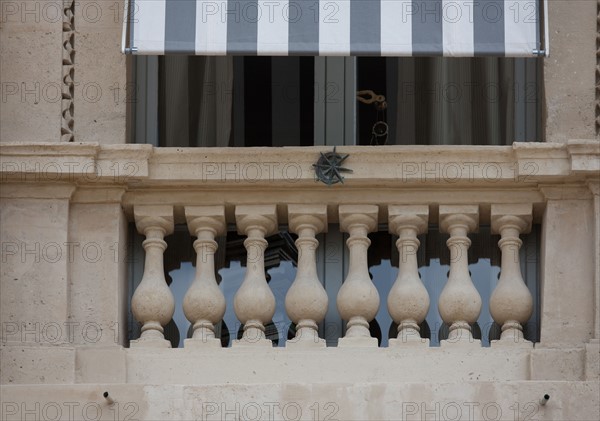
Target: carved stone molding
{"points": [[598, 70], [522, 165], [68, 72]]}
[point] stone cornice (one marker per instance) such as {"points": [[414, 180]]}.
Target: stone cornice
{"points": [[48, 162], [84, 163], [594, 185], [585, 157], [36, 191], [566, 192], [186, 196], [541, 160], [137, 166], [98, 194]]}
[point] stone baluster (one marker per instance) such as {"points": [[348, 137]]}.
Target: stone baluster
{"points": [[153, 303], [408, 300], [306, 301], [511, 303], [254, 302], [204, 303], [460, 302], [358, 299]]}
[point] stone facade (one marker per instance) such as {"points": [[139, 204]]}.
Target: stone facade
{"points": [[71, 185]]}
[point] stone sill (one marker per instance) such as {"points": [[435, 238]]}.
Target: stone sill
{"points": [[433, 175], [141, 166], [296, 400], [23, 364]]}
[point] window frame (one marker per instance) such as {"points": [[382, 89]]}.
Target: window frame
{"points": [[335, 106]]}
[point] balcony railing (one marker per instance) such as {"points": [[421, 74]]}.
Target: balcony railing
{"points": [[256, 190], [357, 301]]}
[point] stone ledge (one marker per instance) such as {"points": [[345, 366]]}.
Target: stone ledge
{"points": [[52, 191], [585, 156], [182, 196], [319, 365], [558, 364], [335, 400], [37, 365], [22, 364], [592, 360], [521, 164], [47, 162], [87, 163], [97, 364], [537, 160]]}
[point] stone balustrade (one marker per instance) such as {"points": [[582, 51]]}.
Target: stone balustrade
{"points": [[358, 301]]}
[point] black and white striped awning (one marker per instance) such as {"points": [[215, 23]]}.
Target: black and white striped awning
{"points": [[453, 28]]}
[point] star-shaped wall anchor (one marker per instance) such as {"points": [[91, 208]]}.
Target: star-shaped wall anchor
{"points": [[328, 168]]}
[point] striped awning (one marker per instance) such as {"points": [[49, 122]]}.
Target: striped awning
{"points": [[452, 28]]}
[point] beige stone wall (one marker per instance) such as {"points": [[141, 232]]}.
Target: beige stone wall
{"points": [[568, 220], [35, 274], [31, 35], [34, 72], [63, 283], [297, 401], [101, 73], [97, 284], [570, 71]]}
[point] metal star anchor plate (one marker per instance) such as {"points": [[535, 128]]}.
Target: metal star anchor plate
{"points": [[328, 168]]}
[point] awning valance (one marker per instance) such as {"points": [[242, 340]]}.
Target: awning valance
{"points": [[452, 28]]}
